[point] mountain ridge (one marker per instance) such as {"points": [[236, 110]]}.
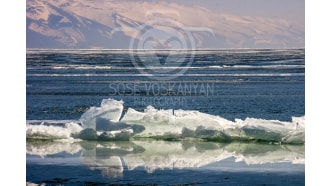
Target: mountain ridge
{"points": [[71, 24]]}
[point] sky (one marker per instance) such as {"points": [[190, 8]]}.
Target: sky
{"points": [[284, 9]]}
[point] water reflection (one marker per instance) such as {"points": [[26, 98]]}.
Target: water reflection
{"points": [[108, 156], [112, 158]]}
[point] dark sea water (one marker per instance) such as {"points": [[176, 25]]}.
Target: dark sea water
{"points": [[267, 84]]}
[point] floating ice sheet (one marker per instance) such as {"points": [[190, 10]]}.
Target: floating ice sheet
{"points": [[103, 123]]}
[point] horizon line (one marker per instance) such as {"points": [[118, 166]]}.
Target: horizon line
{"points": [[198, 49]]}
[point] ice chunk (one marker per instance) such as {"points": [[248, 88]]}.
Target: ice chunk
{"points": [[299, 122], [194, 124], [52, 132], [162, 123], [109, 112], [296, 136], [102, 123]]}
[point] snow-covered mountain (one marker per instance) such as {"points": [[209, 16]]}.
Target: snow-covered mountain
{"points": [[143, 24]]}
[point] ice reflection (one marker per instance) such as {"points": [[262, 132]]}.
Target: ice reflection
{"points": [[108, 156], [112, 158], [45, 148]]}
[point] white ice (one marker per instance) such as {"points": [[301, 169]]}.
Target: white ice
{"points": [[109, 111], [200, 125], [104, 123], [52, 132]]}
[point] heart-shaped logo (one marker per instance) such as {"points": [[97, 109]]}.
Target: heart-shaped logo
{"points": [[162, 49]]}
